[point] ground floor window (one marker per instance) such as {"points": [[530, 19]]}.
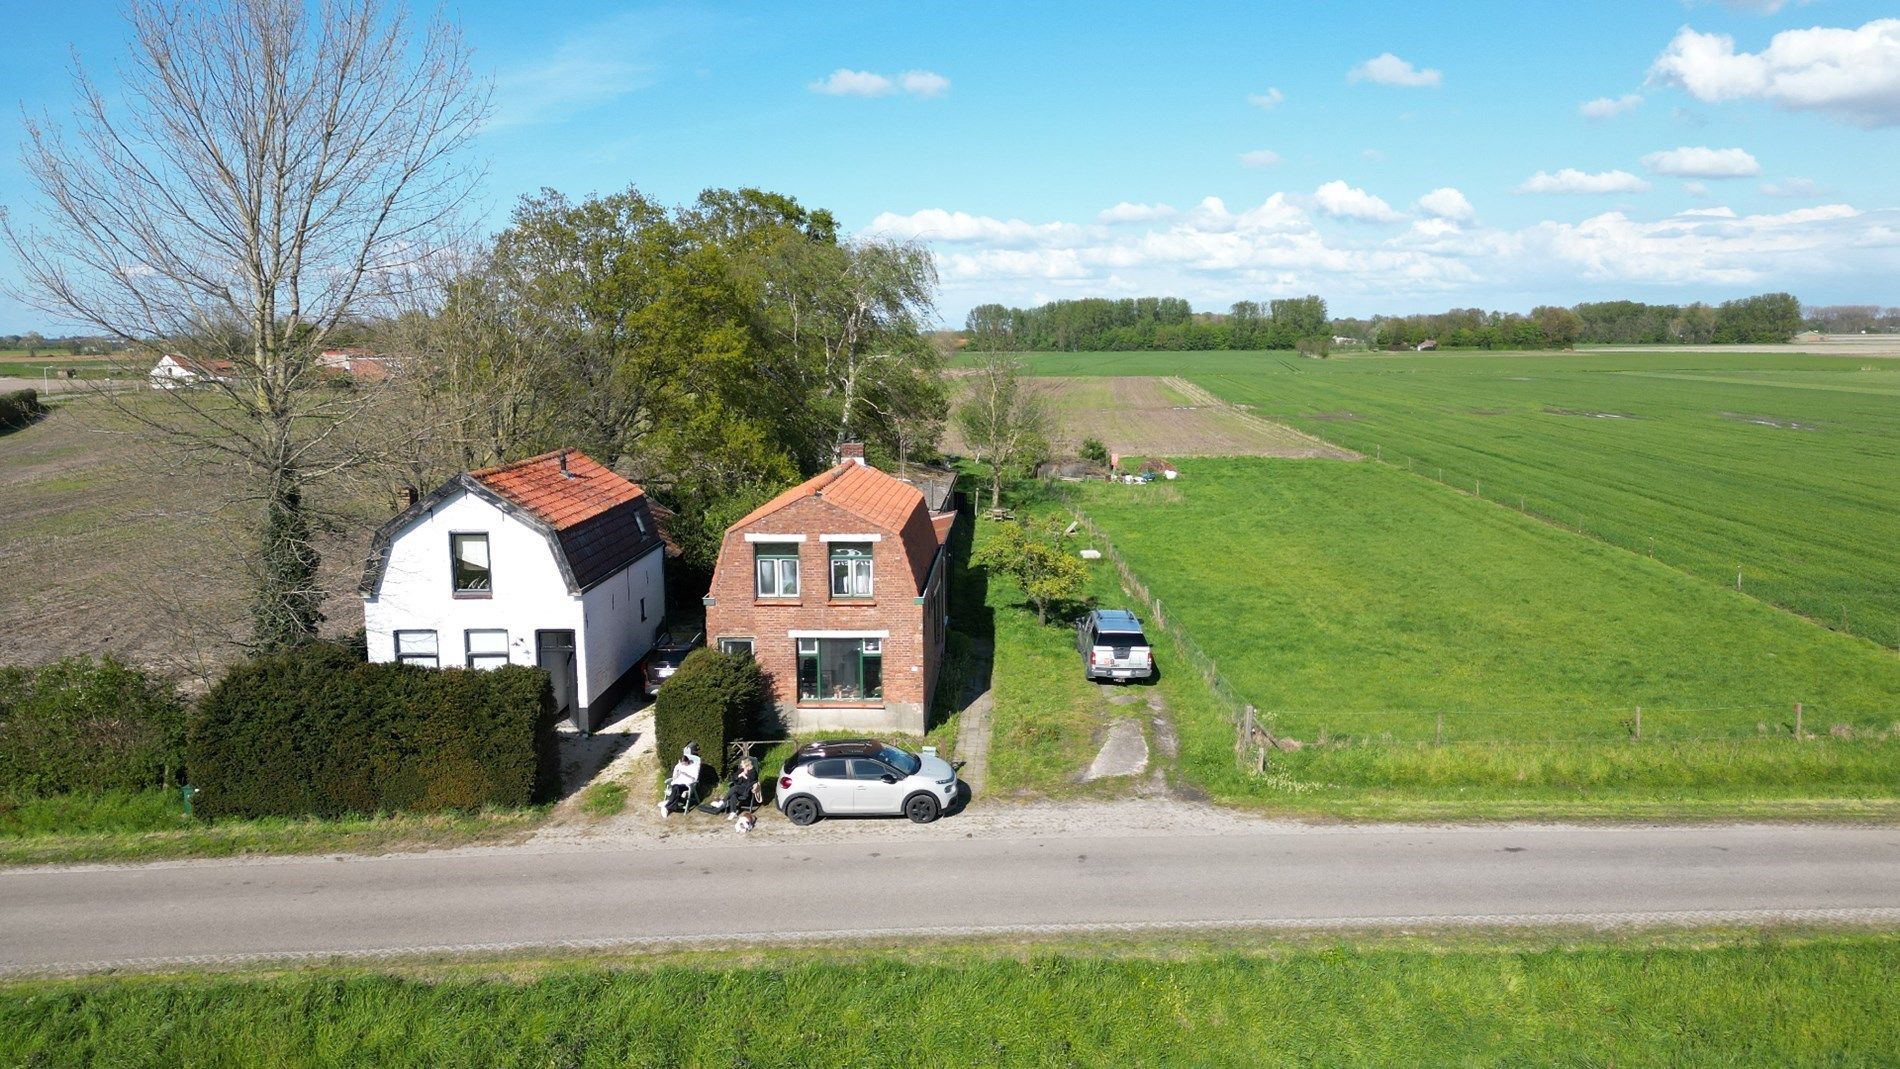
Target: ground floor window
{"points": [[487, 649], [742, 646], [417, 647], [840, 669]]}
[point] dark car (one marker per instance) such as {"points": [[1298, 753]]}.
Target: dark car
{"points": [[668, 651]]}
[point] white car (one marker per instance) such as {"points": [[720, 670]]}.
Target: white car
{"points": [[864, 777]]}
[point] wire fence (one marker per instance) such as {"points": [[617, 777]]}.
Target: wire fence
{"points": [[1760, 583], [1258, 733]]}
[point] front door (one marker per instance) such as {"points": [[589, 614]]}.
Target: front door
{"points": [[554, 652]]}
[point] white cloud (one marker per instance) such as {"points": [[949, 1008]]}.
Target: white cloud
{"points": [[1269, 99], [1793, 187], [1260, 157], [1342, 201], [1372, 155], [1695, 189], [1703, 162], [1388, 69], [1571, 180], [1850, 74], [935, 224], [1447, 204], [925, 84], [1609, 107], [849, 83], [1126, 212]]}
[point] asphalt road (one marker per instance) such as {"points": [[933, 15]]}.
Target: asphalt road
{"points": [[89, 918]]}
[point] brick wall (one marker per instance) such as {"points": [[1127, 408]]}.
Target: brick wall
{"points": [[911, 652]]}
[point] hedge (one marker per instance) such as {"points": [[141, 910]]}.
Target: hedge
{"points": [[316, 731], [85, 726], [19, 408], [713, 699]]}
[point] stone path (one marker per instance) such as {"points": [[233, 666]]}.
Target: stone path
{"points": [[1123, 753], [973, 725]]}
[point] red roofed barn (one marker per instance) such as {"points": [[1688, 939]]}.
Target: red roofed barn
{"points": [[837, 587], [552, 561]]}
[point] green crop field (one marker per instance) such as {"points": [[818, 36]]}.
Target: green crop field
{"points": [[1354, 603], [1695, 999], [1784, 467]]}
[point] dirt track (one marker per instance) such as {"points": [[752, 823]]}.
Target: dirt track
{"points": [[1168, 417]]}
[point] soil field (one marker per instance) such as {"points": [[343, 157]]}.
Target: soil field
{"points": [[1147, 416]]}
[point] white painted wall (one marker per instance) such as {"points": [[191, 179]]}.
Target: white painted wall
{"points": [[616, 638], [417, 590]]}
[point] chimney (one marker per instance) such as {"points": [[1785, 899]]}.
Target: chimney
{"points": [[851, 451], [565, 474]]}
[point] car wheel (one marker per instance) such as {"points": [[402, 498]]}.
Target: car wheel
{"points": [[921, 809], [802, 811]]}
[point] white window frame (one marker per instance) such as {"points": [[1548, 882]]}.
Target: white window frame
{"points": [[732, 644], [431, 659], [859, 573], [488, 551], [487, 659], [781, 562]]}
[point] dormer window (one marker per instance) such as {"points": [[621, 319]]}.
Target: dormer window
{"points": [[850, 570], [469, 566]]}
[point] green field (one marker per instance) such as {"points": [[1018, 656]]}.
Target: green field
{"points": [[1785, 467], [1708, 999], [1354, 604]]}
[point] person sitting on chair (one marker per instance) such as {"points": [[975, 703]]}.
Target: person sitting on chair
{"points": [[743, 793], [684, 781]]}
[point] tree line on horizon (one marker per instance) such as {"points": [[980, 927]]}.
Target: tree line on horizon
{"points": [[1170, 323]]}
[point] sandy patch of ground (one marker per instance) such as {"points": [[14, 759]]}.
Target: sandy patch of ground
{"points": [[1876, 345], [1166, 417]]}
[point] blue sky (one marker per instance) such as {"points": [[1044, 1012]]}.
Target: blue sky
{"points": [[1386, 156]]}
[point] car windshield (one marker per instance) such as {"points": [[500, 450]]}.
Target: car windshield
{"points": [[900, 760], [1122, 638]]}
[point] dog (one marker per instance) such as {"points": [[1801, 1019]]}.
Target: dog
{"points": [[744, 823]]}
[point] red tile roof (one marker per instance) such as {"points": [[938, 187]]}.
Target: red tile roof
{"points": [[880, 499], [538, 485]]}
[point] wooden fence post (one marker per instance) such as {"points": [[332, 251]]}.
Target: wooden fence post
{"points": [[1797, 720], [1438, 735], [1639, 723]]}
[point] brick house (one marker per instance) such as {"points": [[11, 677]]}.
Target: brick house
{"points": [[837, 587]]}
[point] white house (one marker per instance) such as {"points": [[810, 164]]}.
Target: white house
{"points": [[175, 369], [552, 561]]}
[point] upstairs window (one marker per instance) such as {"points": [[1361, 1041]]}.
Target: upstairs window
{"points": [[468, 562], [850, 570], [778, 569]]}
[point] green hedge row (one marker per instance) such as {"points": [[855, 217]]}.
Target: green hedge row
{"points": [[85, 726], [316, 731], [19, 408], [712, 700]]}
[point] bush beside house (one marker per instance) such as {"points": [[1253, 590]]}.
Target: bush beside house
{"points": [[713, 699], [19, 408], [81, 726], [317, 731]]}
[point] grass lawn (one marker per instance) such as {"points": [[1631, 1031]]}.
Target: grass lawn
{"points": [[1692, 999], [1353, 603], [1780, 465], [150, 825]]}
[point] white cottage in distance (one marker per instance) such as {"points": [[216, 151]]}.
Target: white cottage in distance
{"points": [[552, 561]]}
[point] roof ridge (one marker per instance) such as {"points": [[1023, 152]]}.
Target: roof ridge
{"points": [[493, 469]]}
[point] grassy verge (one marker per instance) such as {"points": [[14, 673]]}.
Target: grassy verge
{"points": [[1707, 998], [150, 825], [1046, 715]]}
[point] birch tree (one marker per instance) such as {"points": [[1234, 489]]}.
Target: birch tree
{"points": [[1005, 421], [264, 172]]}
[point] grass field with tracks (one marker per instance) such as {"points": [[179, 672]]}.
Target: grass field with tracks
{"points": [[1785, 467], [1697, 999]]}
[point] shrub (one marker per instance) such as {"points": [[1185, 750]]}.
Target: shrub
{"points": [[314, 730], [713, 699], [19, 408], [85, 726], [1094, 451]]}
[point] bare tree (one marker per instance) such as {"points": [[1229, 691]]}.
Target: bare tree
{"points": [[1005, 421], [272, 170]]}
